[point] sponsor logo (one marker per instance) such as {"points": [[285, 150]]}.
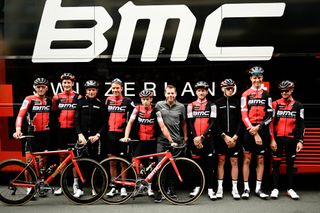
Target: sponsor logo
{"points": [[286, 114], [116, 108], [146, 120], [41, 108], [201, 114], [257, 102], [67, 106], [158, 15]]}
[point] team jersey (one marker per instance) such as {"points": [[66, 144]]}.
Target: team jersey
{"points": [[228, 115], [288, 119], [119, 109], [37, 111], [256, 107], [145, 122], [65, 104], [201, 116]]}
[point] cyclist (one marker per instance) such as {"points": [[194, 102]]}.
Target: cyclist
{"points": [[201, 115], [119, 108], [228, 127], [174, 117], [36, 109], [64, 106], [144, 120], [90, 123], [287, 131], [256, 111]]}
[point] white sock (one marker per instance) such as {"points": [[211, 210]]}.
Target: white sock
{"points": [[220, 183], [75, 180], [258, 185], [235, 184], [246, 185]]}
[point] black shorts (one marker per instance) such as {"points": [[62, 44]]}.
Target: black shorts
{"points": [[67, 138], [115, 147], [287, 144], [250, 146], [223, 150], [39, 143]]}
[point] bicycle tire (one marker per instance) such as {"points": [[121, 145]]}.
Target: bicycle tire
{"points": [[94, 185], [14, 170], [192, 176], [131, 176]]}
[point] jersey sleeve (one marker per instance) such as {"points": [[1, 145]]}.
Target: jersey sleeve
{"points": [[269, 113], [244, 111], [22, 112]]}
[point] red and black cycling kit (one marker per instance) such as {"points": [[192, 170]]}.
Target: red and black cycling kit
{"points": [[288, 119], [37, 111], [201, 117], [119, 109], [256, 107], [145, 122], [65, 104]]}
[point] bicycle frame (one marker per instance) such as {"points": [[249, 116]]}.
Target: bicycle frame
{"points": [[62, 165], [136, 164]]}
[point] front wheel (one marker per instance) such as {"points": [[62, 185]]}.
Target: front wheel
{"points": [[15, 176], [177, 191], [94, 185], [122, 180]]}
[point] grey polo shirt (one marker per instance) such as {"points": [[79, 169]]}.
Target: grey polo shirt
{"points": [[172, 118]]}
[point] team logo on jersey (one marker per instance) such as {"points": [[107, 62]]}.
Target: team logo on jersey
{"points": [[38, 108], [286, 114], [64, 106], [146, 120], [201, 114], [116, 108], [256, 102]]}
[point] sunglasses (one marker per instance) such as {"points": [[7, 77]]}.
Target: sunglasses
{"points": [[282, 91], [229, 88]]}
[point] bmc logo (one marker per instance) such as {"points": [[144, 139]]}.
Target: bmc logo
{"points": [[158, 16]]}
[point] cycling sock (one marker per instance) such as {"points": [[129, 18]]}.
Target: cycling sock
{"points": [[234, 184], [246, 185], [258, 185], [220, 182]]}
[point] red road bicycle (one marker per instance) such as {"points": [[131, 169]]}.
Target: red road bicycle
{"points": [[178, 173], [20, 181]]}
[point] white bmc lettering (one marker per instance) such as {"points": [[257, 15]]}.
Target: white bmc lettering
{"points": [[289, 114], [200, 113], [257, 102], [146, 121], [41, 108], [158, 16], [116, 108]]}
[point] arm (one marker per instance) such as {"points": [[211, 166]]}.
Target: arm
{"points": [[301, 127], [22, 113], [163, 127], [269, 114], [77, 123]]}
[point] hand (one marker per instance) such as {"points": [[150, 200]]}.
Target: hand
{"points": [[125, 140], [299, 147], [82, 140], [258, 139], [198, 142], [94, 138], [17, 134], [253, 129], [273, 145], [174, 144]]}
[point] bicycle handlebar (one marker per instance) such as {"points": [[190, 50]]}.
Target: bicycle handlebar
{"points": [[25, 136]]}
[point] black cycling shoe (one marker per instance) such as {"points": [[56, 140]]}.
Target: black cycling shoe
{"points": [[157, 197], [171, 192]]}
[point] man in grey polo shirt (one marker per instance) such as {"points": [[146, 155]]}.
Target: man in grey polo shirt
{"points": [[174, 117]]}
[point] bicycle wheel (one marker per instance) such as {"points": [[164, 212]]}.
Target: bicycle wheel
{"points": [[123, 181], [94, 185], [173, 189], [12, 173]]}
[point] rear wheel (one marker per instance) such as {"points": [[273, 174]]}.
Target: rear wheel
{"points": [[94, 185], [178, 192], [124, 180], [12, 174]]}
